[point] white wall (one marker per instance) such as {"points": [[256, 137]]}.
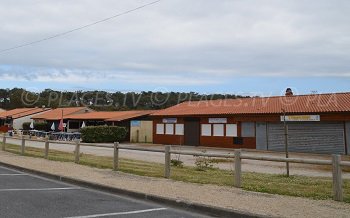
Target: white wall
{"points": [[18, 123]]}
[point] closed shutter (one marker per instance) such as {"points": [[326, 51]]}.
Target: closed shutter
{"points": [[261, 136], [320, 137]]}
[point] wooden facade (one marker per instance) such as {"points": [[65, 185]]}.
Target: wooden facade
{"points": [[238, 141]]}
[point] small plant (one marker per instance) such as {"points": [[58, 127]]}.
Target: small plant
{"points": [[177, 163], [204, 163]]}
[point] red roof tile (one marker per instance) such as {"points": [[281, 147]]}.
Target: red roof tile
{"points": [[56, 114], [109, 115], [21, 112], [130, 115], [317, 103]]}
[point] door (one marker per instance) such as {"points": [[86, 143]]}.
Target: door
{"points": [[261, 136], [192, 131], [313, 137]]}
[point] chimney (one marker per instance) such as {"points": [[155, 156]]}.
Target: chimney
{"points": [[289, 92]]}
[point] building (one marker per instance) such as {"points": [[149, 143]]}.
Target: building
{"points": [[74, 118], [55, 115], [136, 122], [16, 117], [318, 123]]}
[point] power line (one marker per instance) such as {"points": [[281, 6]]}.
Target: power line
{"points": [[78, 28]]}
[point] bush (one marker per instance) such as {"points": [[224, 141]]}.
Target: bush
{"points": [[103, 134], [176, 163], [42, 126]]}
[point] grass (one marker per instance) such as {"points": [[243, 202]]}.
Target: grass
{"points": [[300, 186]]}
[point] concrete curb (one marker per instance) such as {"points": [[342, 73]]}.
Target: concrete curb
{"points": [[189, 206]]}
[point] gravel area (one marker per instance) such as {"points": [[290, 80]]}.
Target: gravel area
{"points": [[227, 197]]}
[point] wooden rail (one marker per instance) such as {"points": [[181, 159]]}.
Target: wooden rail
{"points": [[238, 156]]}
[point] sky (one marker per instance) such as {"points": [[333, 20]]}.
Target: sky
{"points": [[250, 47]]}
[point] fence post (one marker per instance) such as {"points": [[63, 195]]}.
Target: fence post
{"points": [[23, 145], [337, 178], [77, 151], [238, 169], [167, 162], [116, 156], [4, 142], [47, 144]]}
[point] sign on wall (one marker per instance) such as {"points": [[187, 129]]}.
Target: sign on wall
{"points": [[299, 118], [170, 120], [217, 120], [135, 123]]}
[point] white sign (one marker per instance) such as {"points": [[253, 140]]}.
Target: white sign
{"points": [[218, 130], [299, 118], [64, 125], [231, 130], [206, 130], [160, 129], [217, 120], [170, 120], [179, 129]]}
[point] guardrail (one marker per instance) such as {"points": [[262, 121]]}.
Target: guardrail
{"points": [[336, 161]]}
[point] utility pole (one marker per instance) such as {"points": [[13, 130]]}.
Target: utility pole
{"points": [[286, 139]]}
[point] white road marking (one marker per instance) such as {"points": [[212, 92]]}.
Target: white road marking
{"points": [[37, 189], [13, 174], [119, 213]]}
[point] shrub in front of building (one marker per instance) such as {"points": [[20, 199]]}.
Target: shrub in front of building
{"points": [[42, 126], [103, 134]]}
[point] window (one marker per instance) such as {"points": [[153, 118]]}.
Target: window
{"points": [[74, 125], [218, 130], [169, 129], [231, 130], [206, 129], [160, 129], [248, 129], [179, 129]]}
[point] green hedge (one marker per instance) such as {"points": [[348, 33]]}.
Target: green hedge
{"points": [[103, 134], [42, 126]]}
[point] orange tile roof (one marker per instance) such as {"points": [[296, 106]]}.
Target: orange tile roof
{"points": [[130, 115], [109, 115], [56, 114], [21, 112], [317, 103]]}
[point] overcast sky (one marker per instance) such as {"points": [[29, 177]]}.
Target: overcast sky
{"points": [[229, 46]]}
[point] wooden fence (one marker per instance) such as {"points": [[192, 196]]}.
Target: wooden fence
{"points": [[238, 156]]}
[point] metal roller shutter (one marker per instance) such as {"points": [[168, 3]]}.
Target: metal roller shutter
{"points": [[261, 136], [320, 137]]}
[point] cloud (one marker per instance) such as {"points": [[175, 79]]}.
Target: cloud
{"points": [[180, 42], [78, 76]]}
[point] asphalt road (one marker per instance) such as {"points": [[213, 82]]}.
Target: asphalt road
{"points": [[26, 195]]}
